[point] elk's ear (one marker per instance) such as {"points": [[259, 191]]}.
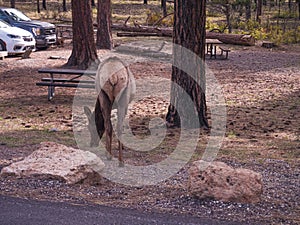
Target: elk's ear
{"points": [[87, 111]]}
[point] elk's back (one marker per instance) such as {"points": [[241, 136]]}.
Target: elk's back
{"points": [[112, 77]]}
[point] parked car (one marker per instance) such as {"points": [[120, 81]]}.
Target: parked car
{"points": [[15, 40], [43, 32]]}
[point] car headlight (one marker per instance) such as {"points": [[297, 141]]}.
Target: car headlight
{"points": [[14, 36], [36, 31]]}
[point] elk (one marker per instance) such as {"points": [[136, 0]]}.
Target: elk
{"points": [[116, 88]]}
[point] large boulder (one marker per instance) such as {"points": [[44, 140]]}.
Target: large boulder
{"points": [[221, 182], [56, 160]]}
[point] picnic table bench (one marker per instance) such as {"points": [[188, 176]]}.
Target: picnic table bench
{"points": [[226, 50], [71, 79]]}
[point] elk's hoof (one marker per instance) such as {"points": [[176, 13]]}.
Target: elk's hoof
{"points": [[121, 164]]}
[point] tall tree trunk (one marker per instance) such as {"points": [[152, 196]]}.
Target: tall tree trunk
{"points": [[145, 2], [298, 1], [38, 6], [228, 14], [13, 3], [65, 6], [189, 32], [93, 3], [104, 36], [248, 10], [44, 5], [164, 7], [259, 11], [84, 49], [290, 6]]}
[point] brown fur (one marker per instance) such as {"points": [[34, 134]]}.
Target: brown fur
{"points": [[116, 87]]}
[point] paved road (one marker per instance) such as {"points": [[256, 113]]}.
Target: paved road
{"points": [[16, 211]]}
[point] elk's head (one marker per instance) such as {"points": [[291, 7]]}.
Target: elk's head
{"points": [[95, 125]]}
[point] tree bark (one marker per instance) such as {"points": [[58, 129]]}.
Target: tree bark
{"points": [[298, 1], [93, 3], [84, 49], [38, 6], [44, 5], [248, 10], [13, 3], [65, 5], [104, 36], [258, 11], [189, 32], [164, 7], [228, 14]]}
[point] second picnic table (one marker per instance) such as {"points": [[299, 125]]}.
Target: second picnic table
{"points": [[72, 79], [211, 48]]}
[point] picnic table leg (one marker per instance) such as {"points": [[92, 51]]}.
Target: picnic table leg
{"points": [[215, 51], [50, 92], [211, 50], [51, 89]]}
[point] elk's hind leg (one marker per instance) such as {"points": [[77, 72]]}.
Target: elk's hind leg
{"points": [[99, 120], [122, 111], [121, 116], [106, 107]]}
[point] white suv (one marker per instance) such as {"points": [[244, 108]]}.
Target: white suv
{"points": [[15, 40]]}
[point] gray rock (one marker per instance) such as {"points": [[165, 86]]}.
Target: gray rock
{"points": [[222, 182], [56, 160]]}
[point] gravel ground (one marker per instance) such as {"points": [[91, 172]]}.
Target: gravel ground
{"points": [[279, 204]]}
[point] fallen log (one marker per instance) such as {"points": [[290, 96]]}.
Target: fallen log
{"points": [[138, 34], [134, 31], [145, 52], [235, 39], [144, 29]]}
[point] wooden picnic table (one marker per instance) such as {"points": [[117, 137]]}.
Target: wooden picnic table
{"points": [[71, 78], [211, 48]]}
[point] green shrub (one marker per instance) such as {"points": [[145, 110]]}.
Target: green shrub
{"points": [[277, 35], [285, 15], [274, 33], [215, 26], [153, 18]]}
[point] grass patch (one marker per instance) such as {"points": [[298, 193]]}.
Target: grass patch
{"points": [[32, 137]]}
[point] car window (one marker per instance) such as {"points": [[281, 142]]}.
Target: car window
{"points": [[3, 16], [17, 15], [4, 25]]}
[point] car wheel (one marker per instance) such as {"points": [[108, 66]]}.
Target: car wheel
{"points": [[2, 46]]}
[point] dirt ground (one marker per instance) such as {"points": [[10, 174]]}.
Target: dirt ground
{"points": [[262, 93]]}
